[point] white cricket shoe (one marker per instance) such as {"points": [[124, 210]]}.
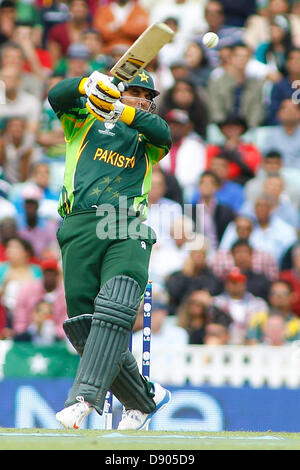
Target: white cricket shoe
{"points": [[73, 416], [136, 419]]}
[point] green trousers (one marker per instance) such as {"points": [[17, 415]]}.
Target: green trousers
{"points": [[90, 258]]}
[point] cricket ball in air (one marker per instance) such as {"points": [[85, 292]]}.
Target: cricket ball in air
{"points": [[210, 39]]}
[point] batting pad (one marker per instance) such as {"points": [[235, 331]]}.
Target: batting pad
{"points": [[77, 330], [131, 389], [105, 350]]}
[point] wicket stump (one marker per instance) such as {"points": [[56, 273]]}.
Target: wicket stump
{"points": [[147, 310]]}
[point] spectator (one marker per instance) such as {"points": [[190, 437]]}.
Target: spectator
{"points": [[285, 88], [8, 230], [41, 330], [217, 328], [188, 14], [274, 52], [12, 55], [257, 283], [18, 102], [284, 136], [224, 56], [168, 255], [244, 158], [254, 68], [50, 15], [229, 193], [50, 289], [186, 96], [272, 164], [51, 141], [179, 71], [5, 186], [62, 35], [7, 20], [76, 62], [295, 20], [270, 233], [92, 39], [7, 209], [195, 275], [241, 228], [163, 334], [39, 176], [16, 150], [192, 315], [210, 216], [215, 22], [187, 151], [161, 211], [236, 13], [236, 93], [282, 207], [120, 23], [286, 262], [16, 271], [240, 304], [273, 331], [37, 60], [257, 26], [174, 190], [174, 50], [39, 231], [292, 276], [280, 301], [197, 63]]}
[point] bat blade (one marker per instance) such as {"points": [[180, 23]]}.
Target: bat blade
{"points": [[144, 49]]}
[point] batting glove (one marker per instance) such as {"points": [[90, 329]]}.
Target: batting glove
{"points": [[99, 86], [111, 112]]}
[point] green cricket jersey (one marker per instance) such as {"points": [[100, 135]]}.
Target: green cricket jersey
{"points": [[105, 161]]}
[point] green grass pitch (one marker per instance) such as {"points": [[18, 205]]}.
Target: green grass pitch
{"points": [[49, 439]]}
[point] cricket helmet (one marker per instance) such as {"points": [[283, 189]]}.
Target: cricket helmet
{"points": [[144, 80]]}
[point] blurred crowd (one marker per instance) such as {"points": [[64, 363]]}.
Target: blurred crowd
{"points": [[224, 202]]}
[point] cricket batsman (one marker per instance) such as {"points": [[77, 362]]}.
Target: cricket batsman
{"points": [[113, 139]]}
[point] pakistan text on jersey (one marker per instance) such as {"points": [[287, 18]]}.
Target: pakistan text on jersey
{"points": [[114, 158]]}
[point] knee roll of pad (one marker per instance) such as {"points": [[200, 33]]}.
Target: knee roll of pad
{"points": [[118, 302]]}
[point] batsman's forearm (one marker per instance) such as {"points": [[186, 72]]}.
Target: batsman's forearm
{"points": [[65, 94], [153, 127]]}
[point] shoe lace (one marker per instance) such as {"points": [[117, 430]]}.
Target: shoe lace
{"points": [[81, 399]]}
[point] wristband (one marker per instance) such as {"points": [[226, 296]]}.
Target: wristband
{"points": [[128, 115]]}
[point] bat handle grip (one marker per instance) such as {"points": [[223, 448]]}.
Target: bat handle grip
{"points": [[116, 81]]}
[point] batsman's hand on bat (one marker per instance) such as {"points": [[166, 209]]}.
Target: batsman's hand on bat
{"points": [[117, 111], [99, 86], [103, 99]]}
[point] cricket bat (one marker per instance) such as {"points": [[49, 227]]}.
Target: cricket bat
{"points": [[141, 52]]}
